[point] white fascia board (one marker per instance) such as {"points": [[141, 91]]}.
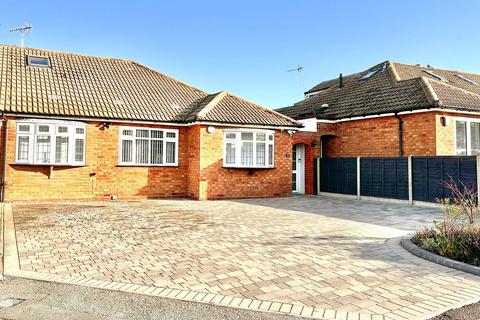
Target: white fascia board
{"points": [[366, 117], [172, 124], [326, 121]]}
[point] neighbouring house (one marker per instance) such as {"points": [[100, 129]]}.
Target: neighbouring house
{"points": [[390, 110], [83, 127]]}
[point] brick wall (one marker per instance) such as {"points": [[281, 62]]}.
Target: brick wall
{"points": [[198, 175], [193, 172], [217, 182], [379, 137], [423, 134], [101, 177], [445, 136]]}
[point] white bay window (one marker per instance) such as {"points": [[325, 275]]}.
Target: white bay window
{"points": [[50, 142], [148, 147], [248, 148]]}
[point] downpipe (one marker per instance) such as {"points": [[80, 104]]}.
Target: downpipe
{"points": [[400, 135]]}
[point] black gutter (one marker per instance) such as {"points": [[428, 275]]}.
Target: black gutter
{"points": [[400, 135]]}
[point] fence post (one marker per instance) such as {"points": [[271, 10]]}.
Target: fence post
{"points": [[358, 179], [478, 178], [410, 180], [318, 176]]}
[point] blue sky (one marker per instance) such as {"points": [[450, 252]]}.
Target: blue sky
{"points": [[246, 47]]}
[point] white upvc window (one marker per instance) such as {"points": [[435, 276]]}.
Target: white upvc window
{"points": [[50, 142], [148, 147], [467, 136], [247, 148]]}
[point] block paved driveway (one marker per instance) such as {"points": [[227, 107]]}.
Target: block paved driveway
{"points": [[306, 251]]}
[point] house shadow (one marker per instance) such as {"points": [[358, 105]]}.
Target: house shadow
{"points": [[399, 216]]}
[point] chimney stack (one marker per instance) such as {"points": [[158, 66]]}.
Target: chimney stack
{"points": [[340, 81]]}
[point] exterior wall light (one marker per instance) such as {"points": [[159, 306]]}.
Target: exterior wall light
{"points": [[210, 129], [443, 121]]}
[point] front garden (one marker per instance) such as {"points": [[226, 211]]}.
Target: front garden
{"points": [[457, 236]]}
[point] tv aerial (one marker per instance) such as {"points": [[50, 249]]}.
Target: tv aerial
{"points": [[300, 70], [24, 30]]}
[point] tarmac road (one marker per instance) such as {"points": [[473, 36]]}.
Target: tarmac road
{"points": [[50, 301]]}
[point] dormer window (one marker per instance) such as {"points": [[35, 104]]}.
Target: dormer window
{"points": [[38, 61]]}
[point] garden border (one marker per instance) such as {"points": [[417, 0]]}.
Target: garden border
{"points": [[408, 245]]}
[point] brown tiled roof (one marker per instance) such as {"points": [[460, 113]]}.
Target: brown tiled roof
{"points": [[394, 88], [93, 87], [225, 107]]}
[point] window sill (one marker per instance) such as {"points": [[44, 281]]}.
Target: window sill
{"points": [[47, 165], [149, 165]]}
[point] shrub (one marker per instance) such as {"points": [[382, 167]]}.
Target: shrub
{"points": [[457, 236], [461, 245]]}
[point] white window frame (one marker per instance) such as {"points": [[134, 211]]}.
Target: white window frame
{"points": [[53, 133], [165, 139], [468, 144], [238, 147]]}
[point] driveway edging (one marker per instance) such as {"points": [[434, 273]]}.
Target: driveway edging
{"points": [[408, 245]]}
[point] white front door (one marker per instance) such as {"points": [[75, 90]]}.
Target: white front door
{"points": [[298, 169]]}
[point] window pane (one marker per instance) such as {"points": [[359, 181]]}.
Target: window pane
{"points": [[43, 128], [157, 151], [24, 128], [157, 134], [127, 150], [247, 153], [260, 151], [62, 129], [171, 135], [141, 145], [461, 133], [231, 136], [475, 137], [80, 131], [247, 135], [141, 133], [79, 149], [270, 137], [43, 149], [260, 136], [230, 153], [61, 149], [23, 146], [170, 146], [270, 154], [127, 132]]}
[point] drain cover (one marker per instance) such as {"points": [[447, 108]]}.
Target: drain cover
{"points": [[8, 303]]}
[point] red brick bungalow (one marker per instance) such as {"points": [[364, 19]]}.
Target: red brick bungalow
{"points": [[389, 110], [82, 127]]}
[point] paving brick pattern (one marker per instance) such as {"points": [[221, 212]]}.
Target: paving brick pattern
{"points": [[290, 253]]}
